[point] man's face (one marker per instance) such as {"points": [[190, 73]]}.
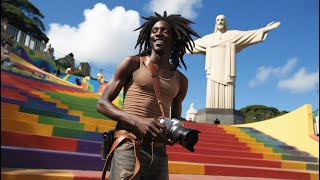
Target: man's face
{"points": [[161, 37], [220, 22]]}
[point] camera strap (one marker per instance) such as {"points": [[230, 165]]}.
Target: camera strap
{"points": [[122, 136], [152, 70]]}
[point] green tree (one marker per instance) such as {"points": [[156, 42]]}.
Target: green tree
{"points": [[66, 62], [25, 16], [256, 113], [85, 68]]}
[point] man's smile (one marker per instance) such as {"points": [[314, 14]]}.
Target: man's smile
{"points": [[159, 41]]}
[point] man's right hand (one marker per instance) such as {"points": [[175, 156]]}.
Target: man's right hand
{"points": [[152, 128]]}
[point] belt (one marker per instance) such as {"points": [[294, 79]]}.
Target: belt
{"points": [[148, 144], [145, 142]]}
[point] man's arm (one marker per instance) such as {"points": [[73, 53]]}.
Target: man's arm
{"points": [[176, 106], [146, 126]]}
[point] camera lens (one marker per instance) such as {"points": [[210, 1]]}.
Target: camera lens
{"points": [[185, 136]]}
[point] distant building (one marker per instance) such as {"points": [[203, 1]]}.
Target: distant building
{"points": [[191, 113]]}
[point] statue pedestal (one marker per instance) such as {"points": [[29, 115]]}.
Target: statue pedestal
{"points": [[225, 116]]}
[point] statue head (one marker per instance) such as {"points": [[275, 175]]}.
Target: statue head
{"points": [[221, 24]]}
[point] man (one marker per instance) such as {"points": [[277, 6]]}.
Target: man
{"points": [[162, 38], [8, 45], [6, 61], [78, 82], [220, 48], [4, 25]]}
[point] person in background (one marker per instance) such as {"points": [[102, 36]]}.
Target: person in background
{"points": [[69, 70], [8, 45], [49, 52], [6, 61], [100, 76], [78, 82], [4, 25]]}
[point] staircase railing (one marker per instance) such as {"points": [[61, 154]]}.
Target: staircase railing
{"points": [[23, 38], [40, 46]]}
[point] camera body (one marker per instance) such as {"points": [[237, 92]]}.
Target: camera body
{"points": [[176, 132], [107, 141]]}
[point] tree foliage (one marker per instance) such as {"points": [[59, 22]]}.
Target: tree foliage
{"points": [[25, 16], [256, 113], [66, 62], [85, 68]]}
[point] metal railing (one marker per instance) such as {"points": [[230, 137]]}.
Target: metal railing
{"points": [[23, 38]]}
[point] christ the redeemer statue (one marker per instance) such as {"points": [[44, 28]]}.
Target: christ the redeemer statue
{"points": [[220, 49]]}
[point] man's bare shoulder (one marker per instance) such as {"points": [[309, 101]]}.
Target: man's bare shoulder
{"points": [[131, 63], [132, 59], [183, 86], [182, 77]]}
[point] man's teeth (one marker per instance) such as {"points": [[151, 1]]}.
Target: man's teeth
{"points": [[159, 41]]}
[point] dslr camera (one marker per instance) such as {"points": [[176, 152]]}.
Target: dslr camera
{"points": [[107, 141], [176, 132]]}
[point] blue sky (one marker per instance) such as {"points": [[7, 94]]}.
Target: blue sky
{"points": [[282, 71]]}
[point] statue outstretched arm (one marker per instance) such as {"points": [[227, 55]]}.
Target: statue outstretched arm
{"points": [[271, 26], [200, 46]]}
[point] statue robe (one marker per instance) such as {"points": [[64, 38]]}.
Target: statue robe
{"points": [[220, 63]]}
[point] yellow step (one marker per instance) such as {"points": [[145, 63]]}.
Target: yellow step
{"points": [[26, 127]]}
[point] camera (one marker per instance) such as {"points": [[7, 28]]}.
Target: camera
{"points": [[107, 141], [176, 132]]}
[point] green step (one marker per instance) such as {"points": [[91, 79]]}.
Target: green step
{"points": [[61, 123], [96, 115], [67, 133], [40, 112], [85, 105], [75, 134], [312, 167]]}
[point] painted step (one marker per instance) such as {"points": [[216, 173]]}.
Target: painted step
{"points": [[49, 143], [213, 159], [49, 130], [40, 174], [196, 169], [56, 143], [83, 146], [235, 153], [22, 157]]}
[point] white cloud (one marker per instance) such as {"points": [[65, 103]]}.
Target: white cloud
{"points": [[104, 37], [300, 82], [184, 7], [264, 73]]}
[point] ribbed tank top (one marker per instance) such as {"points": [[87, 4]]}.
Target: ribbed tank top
{"points": [[140, 98]]}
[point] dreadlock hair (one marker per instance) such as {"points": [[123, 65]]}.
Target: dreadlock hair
{"points": [[181, 36]]}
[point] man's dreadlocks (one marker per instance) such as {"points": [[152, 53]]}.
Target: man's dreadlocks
{"points": [[181, 36]]}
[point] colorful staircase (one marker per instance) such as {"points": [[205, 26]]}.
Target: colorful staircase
{"points": [[52, 131]]}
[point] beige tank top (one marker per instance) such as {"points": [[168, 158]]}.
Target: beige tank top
{"points": [[140, 98]]}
